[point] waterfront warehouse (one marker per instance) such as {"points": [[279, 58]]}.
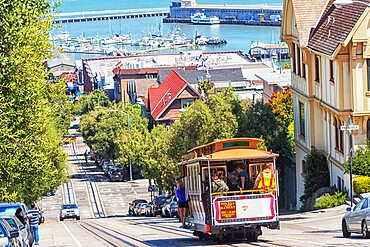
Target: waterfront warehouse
{"points": [[181, 11]]}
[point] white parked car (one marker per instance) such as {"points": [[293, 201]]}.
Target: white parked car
{"points": [[68, 211], [357, 220]]}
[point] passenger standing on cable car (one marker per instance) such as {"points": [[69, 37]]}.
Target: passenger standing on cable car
{"points": [[182, 203], [265, 179], [244, 183]]}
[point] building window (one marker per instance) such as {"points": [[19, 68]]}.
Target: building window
{"points": [[368, 74], [331, 70], [293, 59], [298, 60], [303, 68], [301, 120], [338, 136], [186, 102], [317, 69], [340, 184], [304, 169]]}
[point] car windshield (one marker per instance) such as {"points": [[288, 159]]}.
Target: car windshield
{"points": [[12, 223], [8, 211], [140, 201], [69, 206]]}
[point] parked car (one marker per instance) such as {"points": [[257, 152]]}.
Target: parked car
{"points": [[10, 234], [107, 165], [116, 175], [149, 209], [158, 203], [134, 203], [169, 209], [23, 239], [69, 211], [141, 209], [110, 168], [102, 162], [357, 220], [8, 209]]}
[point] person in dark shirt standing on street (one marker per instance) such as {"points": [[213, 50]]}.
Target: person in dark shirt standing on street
{"points": [[19, 215], [33, 215]]}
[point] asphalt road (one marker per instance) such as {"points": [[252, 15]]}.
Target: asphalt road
{"points": [[115, 228]]}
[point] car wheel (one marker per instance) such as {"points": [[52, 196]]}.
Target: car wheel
{"points": [[345, 232], [61, 219], [78, 218], [365, 230]]}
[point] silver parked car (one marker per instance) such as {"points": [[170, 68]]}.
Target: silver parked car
{"points": [[357, 220]]}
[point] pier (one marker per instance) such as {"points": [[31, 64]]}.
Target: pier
{"points": [[111, 17]]}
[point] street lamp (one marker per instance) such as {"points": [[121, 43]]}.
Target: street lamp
{"points": [[340, 3], [128, 128]]}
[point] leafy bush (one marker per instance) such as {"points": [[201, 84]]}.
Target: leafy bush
{"points": [[330, 201], [360, 161], [361, 184]]}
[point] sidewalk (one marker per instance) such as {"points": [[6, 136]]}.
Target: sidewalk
{"points": [[295, 215]]}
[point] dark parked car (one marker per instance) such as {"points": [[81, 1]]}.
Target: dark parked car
{"points": [[133, 204], [357, 220], [169, 209], [10, 234], [158, 203], [116, 175]]}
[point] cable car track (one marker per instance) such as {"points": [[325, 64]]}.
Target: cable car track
{"points": [[95, 202], [111, 236]]}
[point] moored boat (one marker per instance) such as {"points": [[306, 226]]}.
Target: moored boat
{"points": [[201, 18]]}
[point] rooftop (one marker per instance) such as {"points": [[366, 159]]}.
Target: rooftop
{"points": [[104, 66]]}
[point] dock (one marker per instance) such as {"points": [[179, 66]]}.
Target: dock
{"points": [[110, 17]]}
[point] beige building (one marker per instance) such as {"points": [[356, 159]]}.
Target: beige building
{"points": [[330, 80]]}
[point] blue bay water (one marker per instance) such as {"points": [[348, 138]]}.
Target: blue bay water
{"points": [[239, 37]]}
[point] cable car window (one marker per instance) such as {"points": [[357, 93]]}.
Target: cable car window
{"points": [[235, 144], [193, 182]]}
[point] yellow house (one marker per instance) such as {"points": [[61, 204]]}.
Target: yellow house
{"points": [[330, 63]]}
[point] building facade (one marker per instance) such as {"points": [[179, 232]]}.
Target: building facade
{"points": [[330, 75]]}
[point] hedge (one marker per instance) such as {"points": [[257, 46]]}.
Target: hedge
{"points": [[361, 184]]}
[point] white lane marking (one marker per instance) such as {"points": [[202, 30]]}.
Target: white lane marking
{"points": [[299, 241], [73, 236]]}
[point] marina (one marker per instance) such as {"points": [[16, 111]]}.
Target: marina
{"points": [[238, 37], [126, 44]]}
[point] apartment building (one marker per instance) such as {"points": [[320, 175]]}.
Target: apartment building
{"points": [[330, 62]]}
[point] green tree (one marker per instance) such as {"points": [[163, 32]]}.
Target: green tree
{"points": [[31, 158], [91, 101], [316, 173], [261, 123], [360, 162], [205, 86], [281, 104]]}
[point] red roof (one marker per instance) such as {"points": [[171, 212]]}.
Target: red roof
{"points": [[162, 97]]}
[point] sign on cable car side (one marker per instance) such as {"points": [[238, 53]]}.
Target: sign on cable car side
{"points": [[244, 209], [349, 127]]}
